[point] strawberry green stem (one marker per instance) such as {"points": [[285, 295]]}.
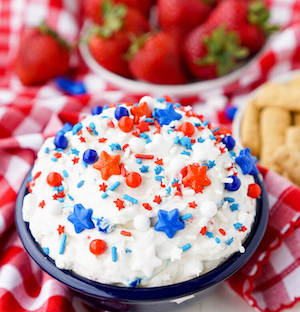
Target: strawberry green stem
{"points": [[259, 14], [223, 50], [46, 30]]}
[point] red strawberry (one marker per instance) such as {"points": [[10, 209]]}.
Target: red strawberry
{"points": [[252, 37], [212, 52], [182, 15], [115, 17], [142, 5], [249, 18], [156, 59], [109, 52], [229, 13], [42, 55]]}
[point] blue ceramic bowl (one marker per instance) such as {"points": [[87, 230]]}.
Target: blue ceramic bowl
{"points": [[115, 294]]}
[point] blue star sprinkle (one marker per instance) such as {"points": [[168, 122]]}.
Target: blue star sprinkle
{"points": [[81, 218], [186, 142], [115, 147], [169, 222], [144, 169], [166, 116], [75, 151], [247, 162]]}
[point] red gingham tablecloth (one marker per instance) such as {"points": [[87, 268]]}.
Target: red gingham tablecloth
{"points": [[271, 279]]}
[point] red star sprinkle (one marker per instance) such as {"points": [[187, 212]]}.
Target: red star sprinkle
{"points": [[176, 184], [157, 126], [75, 160], [102, 187], [61, 194], [108, 165], [135, 133], [42, 204], [203, 230], [243, 229], [54, 197], [159, 161], [222, 149], [102, 140], [61, 229], [82, 139], [119, 204], [141, 110], [192, 204], [194, 176], [143, 126], [57, 155], [157, 199], [147, 206]]}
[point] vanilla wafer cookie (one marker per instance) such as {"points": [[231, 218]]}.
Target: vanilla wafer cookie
{"points": [[279, 95], [293, 137], [250, 129], [289, 161], [297, 119], [273, 124]]}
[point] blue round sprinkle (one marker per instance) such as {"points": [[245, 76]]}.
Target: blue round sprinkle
{"points": [[229, 142], [90, 156], [97, 110], [70, 86], [60, 141], [234, 185], [230, 112], [121, 112]]}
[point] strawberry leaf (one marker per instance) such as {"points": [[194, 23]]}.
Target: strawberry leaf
{"points": [[223, 50], [113, 16], [47, 30], [259, 15], [137, 44]]}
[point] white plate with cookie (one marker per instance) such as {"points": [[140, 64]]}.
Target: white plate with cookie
{"points": [[269, 124]]}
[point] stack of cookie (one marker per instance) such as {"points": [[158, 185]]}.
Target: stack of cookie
{"points": [[271, 128]]}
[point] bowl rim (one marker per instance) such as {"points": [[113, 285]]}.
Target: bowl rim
{"points": [[188, 89], [150, 294], [238, 118]]}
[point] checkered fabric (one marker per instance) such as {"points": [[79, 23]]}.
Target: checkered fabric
{"points": [[271, 279]]}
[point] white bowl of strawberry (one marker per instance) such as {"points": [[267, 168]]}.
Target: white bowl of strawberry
{"points": [[173, 46]]}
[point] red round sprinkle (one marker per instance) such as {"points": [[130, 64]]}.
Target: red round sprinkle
{"points": [[54, 179], [187, 128], [97, 246], [133, 179], [254, 190], [126, 124]]}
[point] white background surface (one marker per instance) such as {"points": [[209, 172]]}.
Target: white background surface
{"points": [[221, 299]]}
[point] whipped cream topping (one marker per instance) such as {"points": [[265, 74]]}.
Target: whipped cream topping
{"points": [[153, 198]]}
